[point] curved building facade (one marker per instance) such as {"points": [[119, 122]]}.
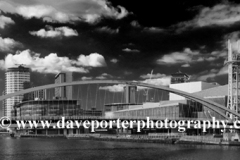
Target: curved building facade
{"points": [[42, 108], [51, 108]]}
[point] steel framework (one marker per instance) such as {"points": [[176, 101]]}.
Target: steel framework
{"points": [[233, 63]]}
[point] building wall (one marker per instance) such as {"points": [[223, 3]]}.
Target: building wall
{"points": [[40, 95], [15, 77], [130, 94], [175, 110], [65, 92], [51, 108], [189, 87]]}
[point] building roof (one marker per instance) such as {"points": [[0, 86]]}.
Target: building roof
{"points": [[179, 73], [20, 68], [220, 91], [121, 104]]}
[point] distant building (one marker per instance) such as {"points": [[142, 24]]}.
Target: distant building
{"points": [[65, 92], [179, 77], [36, 95], [15, 77], [129, 99], [130, 94], [40, 95], [27, 96]]}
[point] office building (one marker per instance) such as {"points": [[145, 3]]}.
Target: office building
{"points": [[65, 92], [130, 94]]}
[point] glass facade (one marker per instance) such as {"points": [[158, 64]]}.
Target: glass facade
{"points": [[190, 110], [47, 108]]}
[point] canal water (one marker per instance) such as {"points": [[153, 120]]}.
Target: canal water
{"points": [[61, 149]]}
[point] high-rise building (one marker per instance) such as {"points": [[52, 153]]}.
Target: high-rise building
{"points": [[65, 92], [40, 95], [15, 78], [130, 94]]}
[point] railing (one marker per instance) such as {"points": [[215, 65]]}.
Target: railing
{"points": [[106, 118], [202, 139]]}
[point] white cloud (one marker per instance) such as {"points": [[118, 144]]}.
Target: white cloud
{"points": [[93, 60], [57, 32], [178, 57], [127, 72], [153, 76], [187, 56], [165, 81], [4, 21], [221, 14], [86, 78], [210, 74], [185, 65], [65, 11], [7, 44], [104, 76], [130, 50], [44, 11], [108, 30], [101, 77], [114, 60], [113, 88], [48, 64], [153, 29], [234, 39], [135, 24]]}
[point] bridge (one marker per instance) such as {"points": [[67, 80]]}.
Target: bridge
{"points": [[207, 103]]}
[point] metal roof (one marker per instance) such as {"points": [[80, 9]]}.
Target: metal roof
{"points": [[220, 91]]}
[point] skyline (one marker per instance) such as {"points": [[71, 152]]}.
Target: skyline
{"points": [[118, 39]]}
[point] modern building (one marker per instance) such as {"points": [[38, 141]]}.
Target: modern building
{"points": [[176, 108], [37, 95], [130, 93], [40, 95], [65, 92], [27, 96], [51, 108], [189, 87], [15, 78], [179, 77]]}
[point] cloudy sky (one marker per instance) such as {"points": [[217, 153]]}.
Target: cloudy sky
{"points": [[118, 39]]}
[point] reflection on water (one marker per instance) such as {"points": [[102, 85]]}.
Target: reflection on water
{"points": [[33, 148]]}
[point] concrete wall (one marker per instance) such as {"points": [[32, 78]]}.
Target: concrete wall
{"points": [[189, 87]]}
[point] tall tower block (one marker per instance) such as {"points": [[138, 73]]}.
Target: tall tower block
{"points": [[233, 63], [15, 78]]}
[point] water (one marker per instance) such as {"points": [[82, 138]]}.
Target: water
{"points": [[61, 149]]}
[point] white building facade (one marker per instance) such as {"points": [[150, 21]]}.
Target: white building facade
{"points": [[15, 77], [189, 87]]}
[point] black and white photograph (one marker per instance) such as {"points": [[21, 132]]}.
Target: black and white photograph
{"points": [[119, 79]]}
